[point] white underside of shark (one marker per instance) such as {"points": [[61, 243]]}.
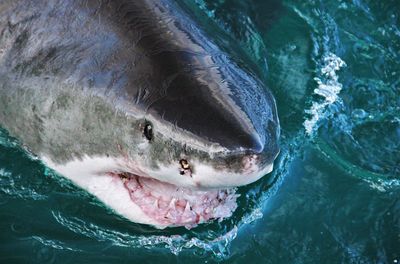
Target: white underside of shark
{"points": [[165, 199]]}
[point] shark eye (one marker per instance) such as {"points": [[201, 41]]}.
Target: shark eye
{"points": [[148, 131]]}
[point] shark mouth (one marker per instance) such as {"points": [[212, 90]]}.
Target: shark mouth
{"points": [[171, 205]]}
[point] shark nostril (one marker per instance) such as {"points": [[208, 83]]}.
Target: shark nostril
{"points": [[184, 164], [185, 167]]}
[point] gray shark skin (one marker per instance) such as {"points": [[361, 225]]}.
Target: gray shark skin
{"points": [[114, 91]]}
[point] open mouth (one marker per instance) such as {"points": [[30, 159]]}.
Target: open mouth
{"points": [[171, 205]]}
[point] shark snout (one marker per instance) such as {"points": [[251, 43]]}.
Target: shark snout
{"points": [[247, 154], [226, 169]]}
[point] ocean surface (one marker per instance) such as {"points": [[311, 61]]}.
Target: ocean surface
{"points": [[334, 196]]}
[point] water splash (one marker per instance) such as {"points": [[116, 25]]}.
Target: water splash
{"points": [[382, 185], [328, 88], [253, 216], [175, 243], [10, 185], [6, 140], [54, 244]]}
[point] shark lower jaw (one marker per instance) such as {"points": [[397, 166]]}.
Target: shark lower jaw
{"points": [[169, 205], [130, 191]]}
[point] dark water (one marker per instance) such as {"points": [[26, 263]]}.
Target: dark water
{"points": [[334, 196]]}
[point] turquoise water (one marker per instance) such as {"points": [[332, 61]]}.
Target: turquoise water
{"points": [[334, 196]]}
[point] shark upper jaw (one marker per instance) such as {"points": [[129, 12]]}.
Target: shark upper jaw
{"points": [[149, 198]]}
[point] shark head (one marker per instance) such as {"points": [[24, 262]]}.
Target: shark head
{"points": [[144, 111]]}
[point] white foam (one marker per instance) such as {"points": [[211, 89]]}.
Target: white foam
{"points": [[253, 216], [328, 88], [382, 185], [176, 243]]}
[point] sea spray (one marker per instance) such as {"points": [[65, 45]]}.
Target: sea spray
{"points": [[328, 88]]}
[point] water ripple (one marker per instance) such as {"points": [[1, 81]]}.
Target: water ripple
{"points": [[175, 243]]}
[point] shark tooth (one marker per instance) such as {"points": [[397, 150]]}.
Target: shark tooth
{"points": [[172, 204], [156, 203], [188, 209]]}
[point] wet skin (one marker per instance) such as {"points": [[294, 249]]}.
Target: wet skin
{"points": [[86, 79]]}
